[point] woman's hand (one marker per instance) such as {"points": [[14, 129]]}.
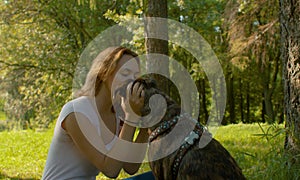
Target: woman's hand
{"points": [[133, 103]]}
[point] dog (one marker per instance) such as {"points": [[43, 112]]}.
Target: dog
{"points": [[189, 161], [181, 148]]}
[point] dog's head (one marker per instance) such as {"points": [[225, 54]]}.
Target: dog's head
{"points": [[170, 106], [150, 89]]}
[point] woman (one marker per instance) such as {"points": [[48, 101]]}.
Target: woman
{"points": [[75, 153]]}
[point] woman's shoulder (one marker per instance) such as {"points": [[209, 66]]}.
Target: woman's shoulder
{"points": [[81, 105], [76, 104], [81, 99], [78, 100]]}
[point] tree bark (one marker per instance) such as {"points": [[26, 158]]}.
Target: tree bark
{"points": [[231, 104], [241, 99], [290, 55], [268, 106], [157, 8], [203, 112], [263, 109], [204, 100], [247, 103], [267, 93]]}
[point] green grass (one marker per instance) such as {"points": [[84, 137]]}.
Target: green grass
{"points": [[259, 150], [23, 153]]}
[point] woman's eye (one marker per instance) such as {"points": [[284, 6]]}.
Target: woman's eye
{"points": [[125, 72]]}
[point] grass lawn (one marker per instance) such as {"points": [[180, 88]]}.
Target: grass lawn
{"points": [[259, 154]]}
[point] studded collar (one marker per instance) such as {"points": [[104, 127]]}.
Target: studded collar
{"points": [[189, 141]]}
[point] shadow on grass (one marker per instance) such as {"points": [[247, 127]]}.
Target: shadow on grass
{"points": [[4, 176]]}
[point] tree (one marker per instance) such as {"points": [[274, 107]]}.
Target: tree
{"points": [[253, 33], [40, 45], [35, 64], [290, 54], [205, 17], [157, 8]]}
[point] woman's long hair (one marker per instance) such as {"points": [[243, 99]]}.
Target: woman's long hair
{"points": [[102, 67]]}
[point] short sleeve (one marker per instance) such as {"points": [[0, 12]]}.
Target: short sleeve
{"points": [[81, 105]]}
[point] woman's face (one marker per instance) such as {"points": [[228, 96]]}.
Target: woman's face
{"points": [[127, 70]]}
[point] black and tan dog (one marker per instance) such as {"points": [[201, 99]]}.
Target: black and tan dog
{"points": [[174, 150]]}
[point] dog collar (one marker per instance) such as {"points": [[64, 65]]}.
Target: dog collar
{"points": [[164, 126], [187, 144], [188, 141]]}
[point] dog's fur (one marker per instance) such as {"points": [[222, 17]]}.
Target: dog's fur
{"points": [[210, 162]]}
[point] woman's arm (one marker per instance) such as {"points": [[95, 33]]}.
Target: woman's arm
{"points": [[108, 166], [132, 168], [134, 103]]}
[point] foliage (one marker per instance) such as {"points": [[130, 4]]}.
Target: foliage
{"points": [[31, 63], [42, 41], [41, 44], [258, 150], [253, 39]]}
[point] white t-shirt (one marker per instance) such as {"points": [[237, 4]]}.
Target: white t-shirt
{"points": [[64, 159]]}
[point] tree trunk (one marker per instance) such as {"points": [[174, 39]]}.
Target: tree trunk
{"points": [[241, 99], [267, 92], [157, 8], [290, 54], [247, 103], [231, 104], [269, 106], [203, 93], [263, 110], [203, 113]]}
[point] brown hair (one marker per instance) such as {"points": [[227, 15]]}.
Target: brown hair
{"points": [[102, 67]]}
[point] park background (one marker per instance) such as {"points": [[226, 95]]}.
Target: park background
{"points": [[42, 40]]}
